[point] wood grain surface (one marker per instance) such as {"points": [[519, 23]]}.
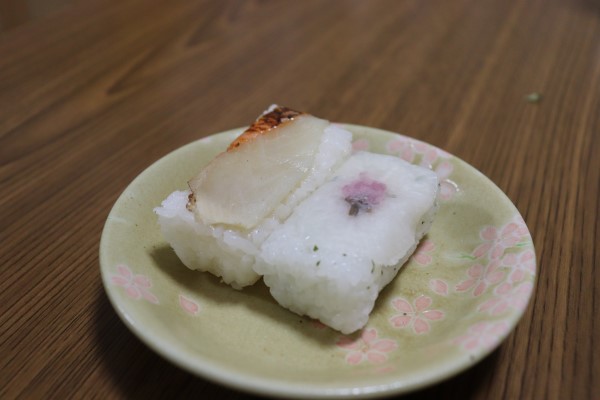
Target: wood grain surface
{"points": [[92, 92]]}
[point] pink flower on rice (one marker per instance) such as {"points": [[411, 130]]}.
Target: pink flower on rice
{"points": [[363, 194], [417, 317], [368, 347], [481, 277], [136, 286]]}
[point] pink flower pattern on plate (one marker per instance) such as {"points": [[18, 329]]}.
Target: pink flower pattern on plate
{"points": [[500, 264], [429, 154], [439, 286], [497, 240], [360, 145], [520, 296], [417, 317], [422, 255], [522, 230], [403, 148], [136, 286], [368, 347], [188, 305], [482, 336], [507, 297], [430, 157], [521, 264], [481, 277], [447, 187]]}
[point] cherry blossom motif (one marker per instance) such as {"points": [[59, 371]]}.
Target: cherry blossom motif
{"points": [[522, 230], [499, 304], [521, 264], [429, 154], [408, 150], [189, 305], [447, 187], [520, 296], [439, 286], [363, 194], [136, 286], [416, 317], [360, 145], [403, 148], [482, 336], [497, 240], [481, 277], [367, 348], [507, 298], [422, 255]]}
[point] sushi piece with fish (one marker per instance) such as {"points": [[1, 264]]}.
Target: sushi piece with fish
{"points": [[245, 192], [325, 229]]}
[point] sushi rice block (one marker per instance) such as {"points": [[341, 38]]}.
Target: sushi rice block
{"points": [[288, 202], [226, 252], [349, 238], [245, 192]]}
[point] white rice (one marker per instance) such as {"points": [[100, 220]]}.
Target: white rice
{"points": [[324, 263], [223, 252]]}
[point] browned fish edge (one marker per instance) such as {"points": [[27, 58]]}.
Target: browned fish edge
{"points": [[191, 204], [265, 123]]}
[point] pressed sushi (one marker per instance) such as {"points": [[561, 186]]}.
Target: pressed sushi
{"points": [[288, 202], [348, 239], [240, 196]]}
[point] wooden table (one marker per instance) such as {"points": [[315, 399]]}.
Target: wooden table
{"points": [[92, 92]]}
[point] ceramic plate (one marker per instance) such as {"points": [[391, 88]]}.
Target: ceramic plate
{"points": [[458, 297]]}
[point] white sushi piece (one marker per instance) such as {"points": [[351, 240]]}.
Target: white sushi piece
{"points": [[348, 239], [223, 237]]}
